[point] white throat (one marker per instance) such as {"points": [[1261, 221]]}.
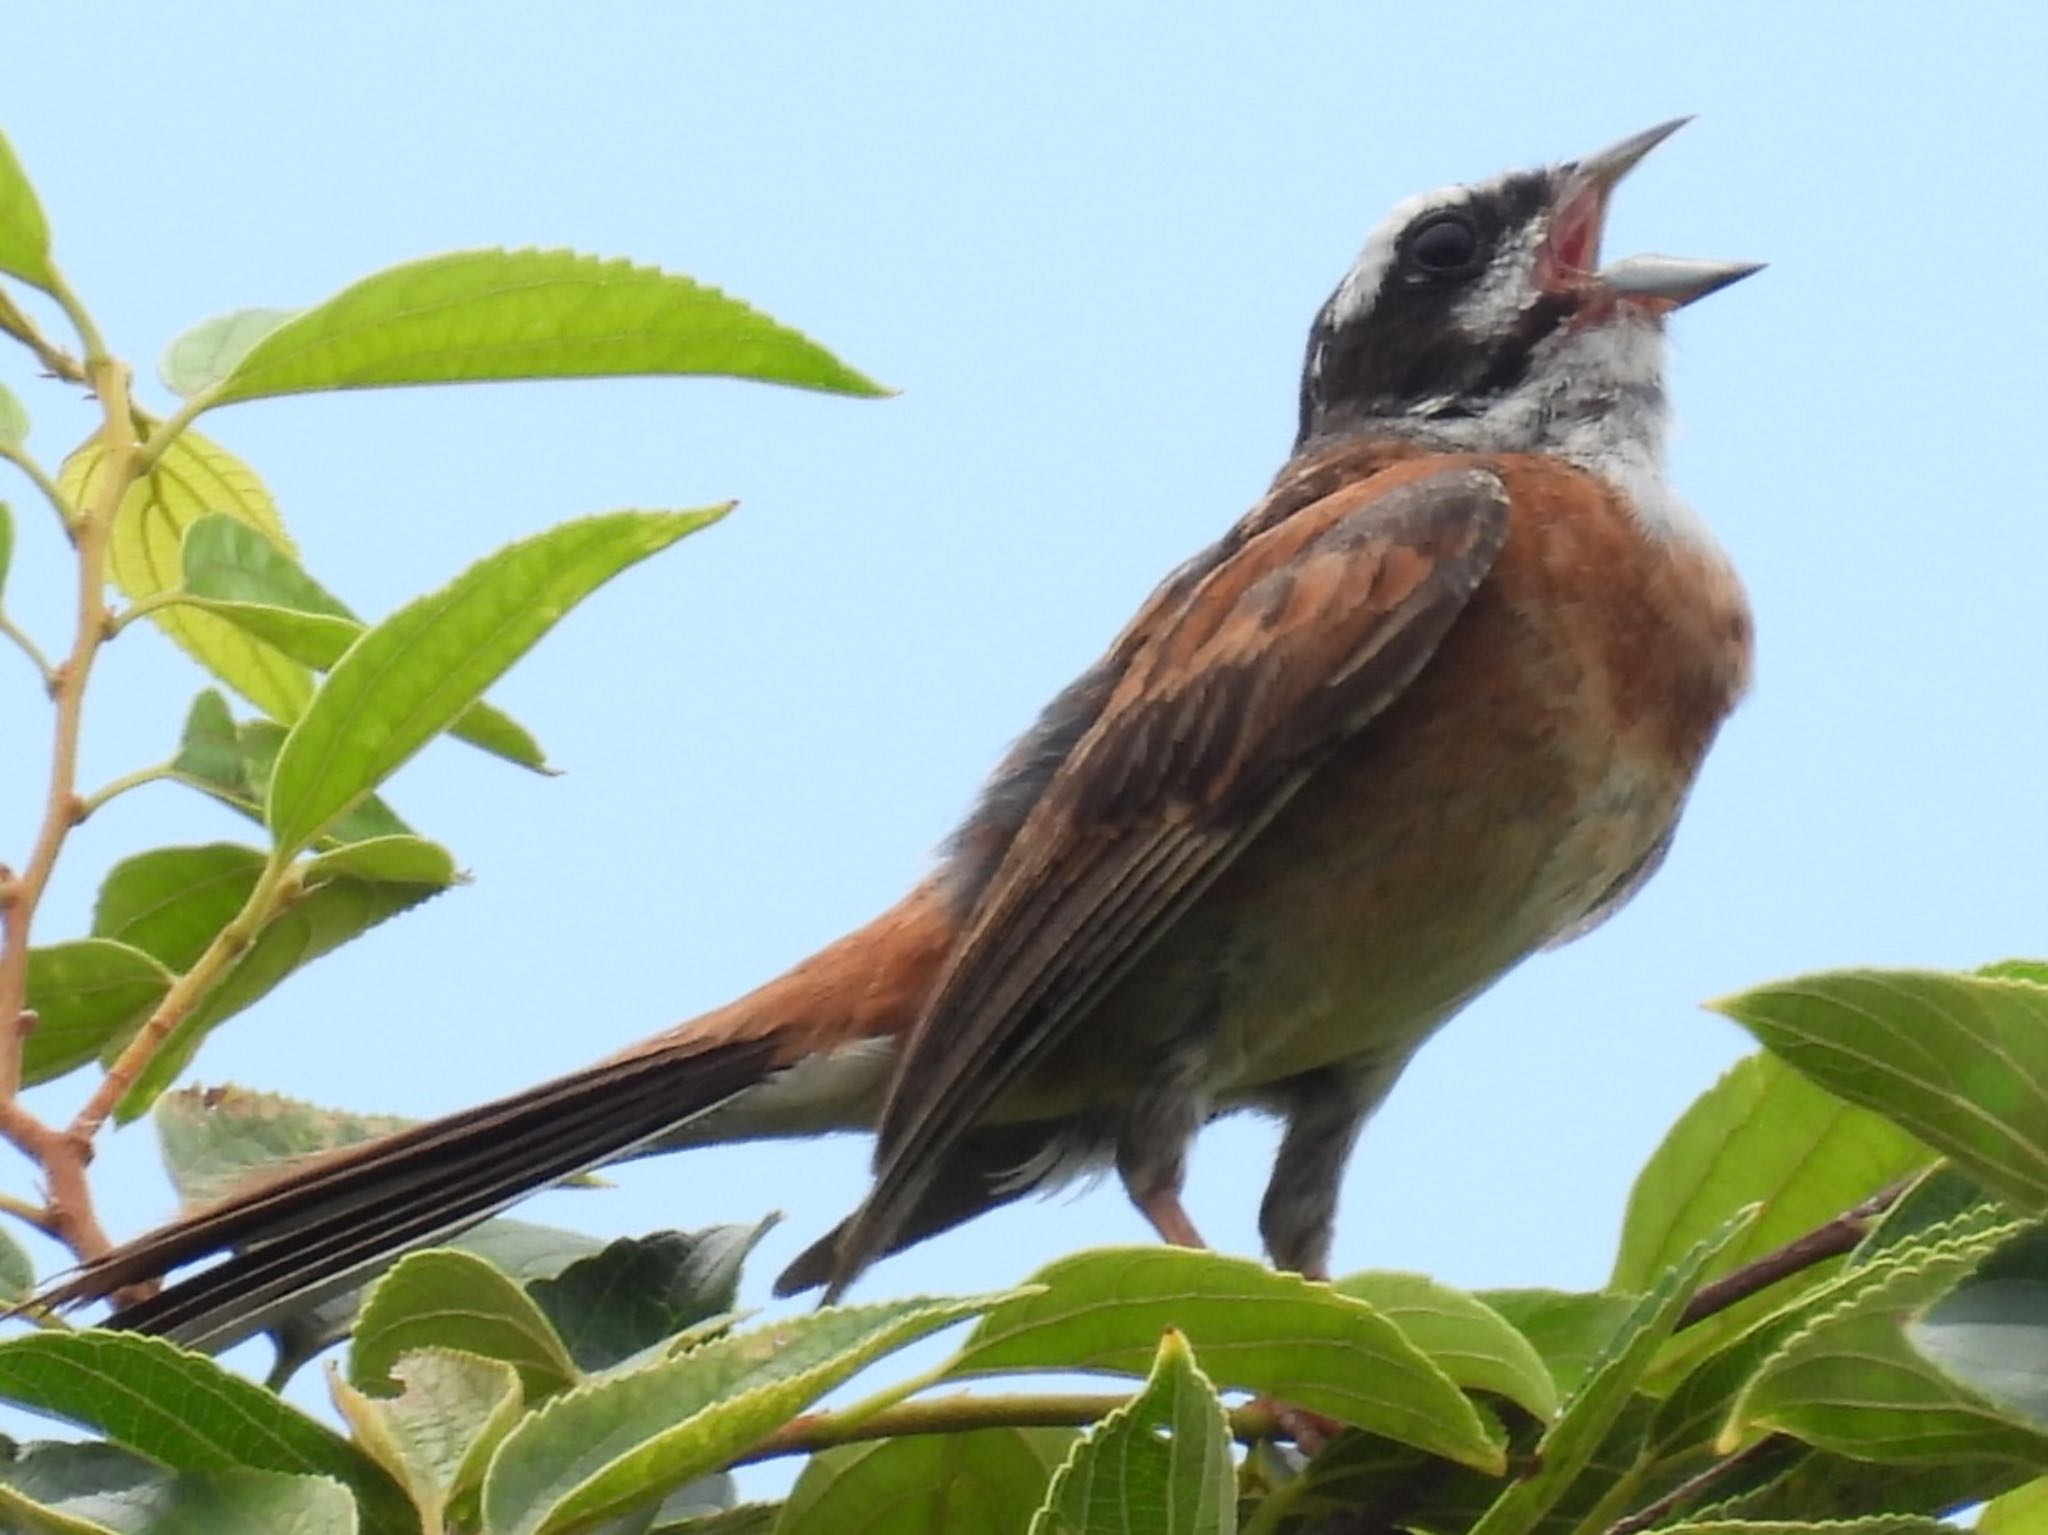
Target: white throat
{"points": [[1593, 394]]}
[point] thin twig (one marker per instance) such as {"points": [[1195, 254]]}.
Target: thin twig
{"points": [[276, 886], [57, 362], [119, 786], [39, 477], [1693, 1486], [9, 630], [63, 1155], [1829, 1240], [960, 1414]]}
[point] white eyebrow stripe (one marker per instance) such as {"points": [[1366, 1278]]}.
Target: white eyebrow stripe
{"points": [[1361, 285]]}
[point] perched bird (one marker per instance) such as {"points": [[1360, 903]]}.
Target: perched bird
{"points": [[1435, 702]]}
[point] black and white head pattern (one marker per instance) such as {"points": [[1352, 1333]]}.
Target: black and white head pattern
{"points": [[1444, 332]]}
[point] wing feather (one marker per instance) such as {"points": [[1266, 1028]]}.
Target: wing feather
{"points": [[1235, 688]]}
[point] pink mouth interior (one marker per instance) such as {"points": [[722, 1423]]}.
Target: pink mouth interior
{"points": [[1575, 238]]}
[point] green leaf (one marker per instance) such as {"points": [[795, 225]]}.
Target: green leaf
{"points": [[1990, 1333], [2023, 1511], [743, 1519], [1254, 1329], [444, 1299], [1849, 1382], [331, 911], [1875, 1524], [399, 860], [236, 574], [209, 351], [641, 1291], [93, 1489], [1959, 1060], [1577, 1435], [56, 1488], [410, 677], [17, 1273], [2034, 970], [86, 994], [436, 1436], [261, 740], [1160, 1464], [1765, 1136], [1568, 1329], [209, 1503], [1936, 1198], [217, 1140], [227, 559], [187, 1413], [170, 902], [193, 478], [623, 1440], [1697, 1410], [24, 233], [1470, 1341], [982, 1483], [477, 316], [13, 430]]}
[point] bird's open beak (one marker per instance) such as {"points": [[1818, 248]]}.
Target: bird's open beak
{"points": [[1570, 259]]}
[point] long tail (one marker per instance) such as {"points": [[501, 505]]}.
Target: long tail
{"points": [[317, 1228]]}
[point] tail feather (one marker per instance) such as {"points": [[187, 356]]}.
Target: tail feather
{"points": [[317, 1229]]}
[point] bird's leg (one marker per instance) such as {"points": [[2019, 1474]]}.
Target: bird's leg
{"points": [[1158, 1125], [1324, 1110], [1162, 1207]]}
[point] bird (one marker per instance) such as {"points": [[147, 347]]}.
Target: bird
{"points": [[1434, 703]]}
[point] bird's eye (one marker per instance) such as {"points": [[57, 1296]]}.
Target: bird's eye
{"points": [[1445, 244]]}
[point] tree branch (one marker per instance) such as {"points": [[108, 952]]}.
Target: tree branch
{"points": [[1829, 1240]]}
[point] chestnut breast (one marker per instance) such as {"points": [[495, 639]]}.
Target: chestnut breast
{"points": [[1532, 768]]}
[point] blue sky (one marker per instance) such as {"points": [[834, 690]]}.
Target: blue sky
{"points": [[1085, 245]]}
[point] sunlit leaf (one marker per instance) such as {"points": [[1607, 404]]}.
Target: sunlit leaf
{"points": [[2023, 1511], [474, 316], [194, 477], [13, 428], [24, 233], [412, 675]]}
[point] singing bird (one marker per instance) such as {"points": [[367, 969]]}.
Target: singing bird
{"points": [[1433, 703]]}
